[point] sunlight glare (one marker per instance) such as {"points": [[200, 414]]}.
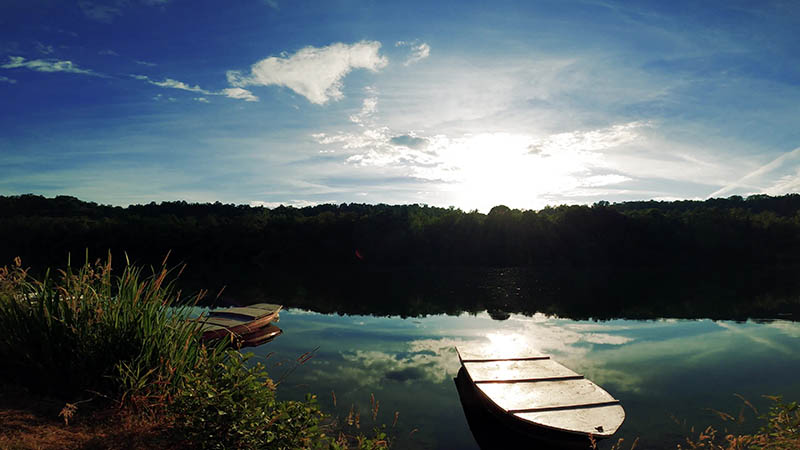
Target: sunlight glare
{"points": [[489, 169]]}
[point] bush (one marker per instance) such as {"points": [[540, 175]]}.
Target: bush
{"points": [[228, 404]]}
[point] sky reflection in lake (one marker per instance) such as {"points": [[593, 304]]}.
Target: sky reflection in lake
{"points": [[663, 371]]}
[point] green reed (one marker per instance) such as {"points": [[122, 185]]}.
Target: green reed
{"points": [[129, 338], [86, 328]]}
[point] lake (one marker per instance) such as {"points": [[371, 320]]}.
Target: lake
{"points": [[669, 374]]}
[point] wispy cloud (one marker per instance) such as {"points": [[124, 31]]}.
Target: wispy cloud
{"points": [[174, 84], [766, 168], [237, 93], [272, 4], [108, 52], [201, 99], [46, 65], [315, 73], [145, 63], [7, 80], [368, 108], [419, 51]]}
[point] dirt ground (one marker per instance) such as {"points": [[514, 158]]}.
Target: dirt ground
{"points": [[32, 422]]}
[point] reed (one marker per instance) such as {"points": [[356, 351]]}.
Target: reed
{"points": [[129, 338], [87, 329]]}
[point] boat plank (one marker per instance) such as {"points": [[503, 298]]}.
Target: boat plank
{"points": [[483, 354], [225, 322], [517, 370], [250, 312], [519, 396]]}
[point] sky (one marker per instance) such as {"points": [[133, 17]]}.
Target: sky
{"points": [[464, 104]]}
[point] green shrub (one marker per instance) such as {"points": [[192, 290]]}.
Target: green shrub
{"points": [[227, 403]]}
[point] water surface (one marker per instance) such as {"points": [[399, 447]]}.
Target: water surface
{"points": [[668, 374]]}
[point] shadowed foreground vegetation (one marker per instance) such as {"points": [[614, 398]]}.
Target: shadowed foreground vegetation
{"points": [[101, 342]]}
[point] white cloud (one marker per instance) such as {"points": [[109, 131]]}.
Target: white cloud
{"points": [[201, 99], [784, 185], [46, 65], [108, 53], [239, 93], [7, 80], [368, 108], [314, 73], [145, 63], [482, 169], [594, 140], [419, 51], [174, 84], [791, 329]]}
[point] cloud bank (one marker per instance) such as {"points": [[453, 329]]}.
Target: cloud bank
{"points": [[314, 73]]}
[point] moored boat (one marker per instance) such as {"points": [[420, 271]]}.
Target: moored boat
{"points": [[534, 394], [246, 322]]}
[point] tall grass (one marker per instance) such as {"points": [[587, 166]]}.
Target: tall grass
{"points": [[87, 329], [128, 337]]}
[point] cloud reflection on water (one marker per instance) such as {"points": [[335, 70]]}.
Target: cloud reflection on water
{"points": [[656, 368]]}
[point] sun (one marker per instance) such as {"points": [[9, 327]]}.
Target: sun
{"points": [[489, 169]]}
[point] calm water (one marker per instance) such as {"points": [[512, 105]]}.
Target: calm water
{"points": [[666, 373]]}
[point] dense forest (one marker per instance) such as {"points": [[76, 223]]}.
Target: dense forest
{"points": [[731, 258], [757, 230]]}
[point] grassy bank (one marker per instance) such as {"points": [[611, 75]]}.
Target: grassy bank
{"points": [[99, 341]]}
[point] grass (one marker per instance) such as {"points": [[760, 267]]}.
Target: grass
{"points": [[781, 430], [88, 337]]}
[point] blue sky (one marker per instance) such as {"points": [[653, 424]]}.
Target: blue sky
{"points": [[466, 104]]}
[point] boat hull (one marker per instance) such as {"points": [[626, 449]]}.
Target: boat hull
{"points": [[493, 428]]}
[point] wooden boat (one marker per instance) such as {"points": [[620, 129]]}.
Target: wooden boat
{"points": [[533, 393], [260, 336], [239, 322]]}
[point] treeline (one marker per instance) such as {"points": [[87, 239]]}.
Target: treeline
{"points": [[733, 231]]}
